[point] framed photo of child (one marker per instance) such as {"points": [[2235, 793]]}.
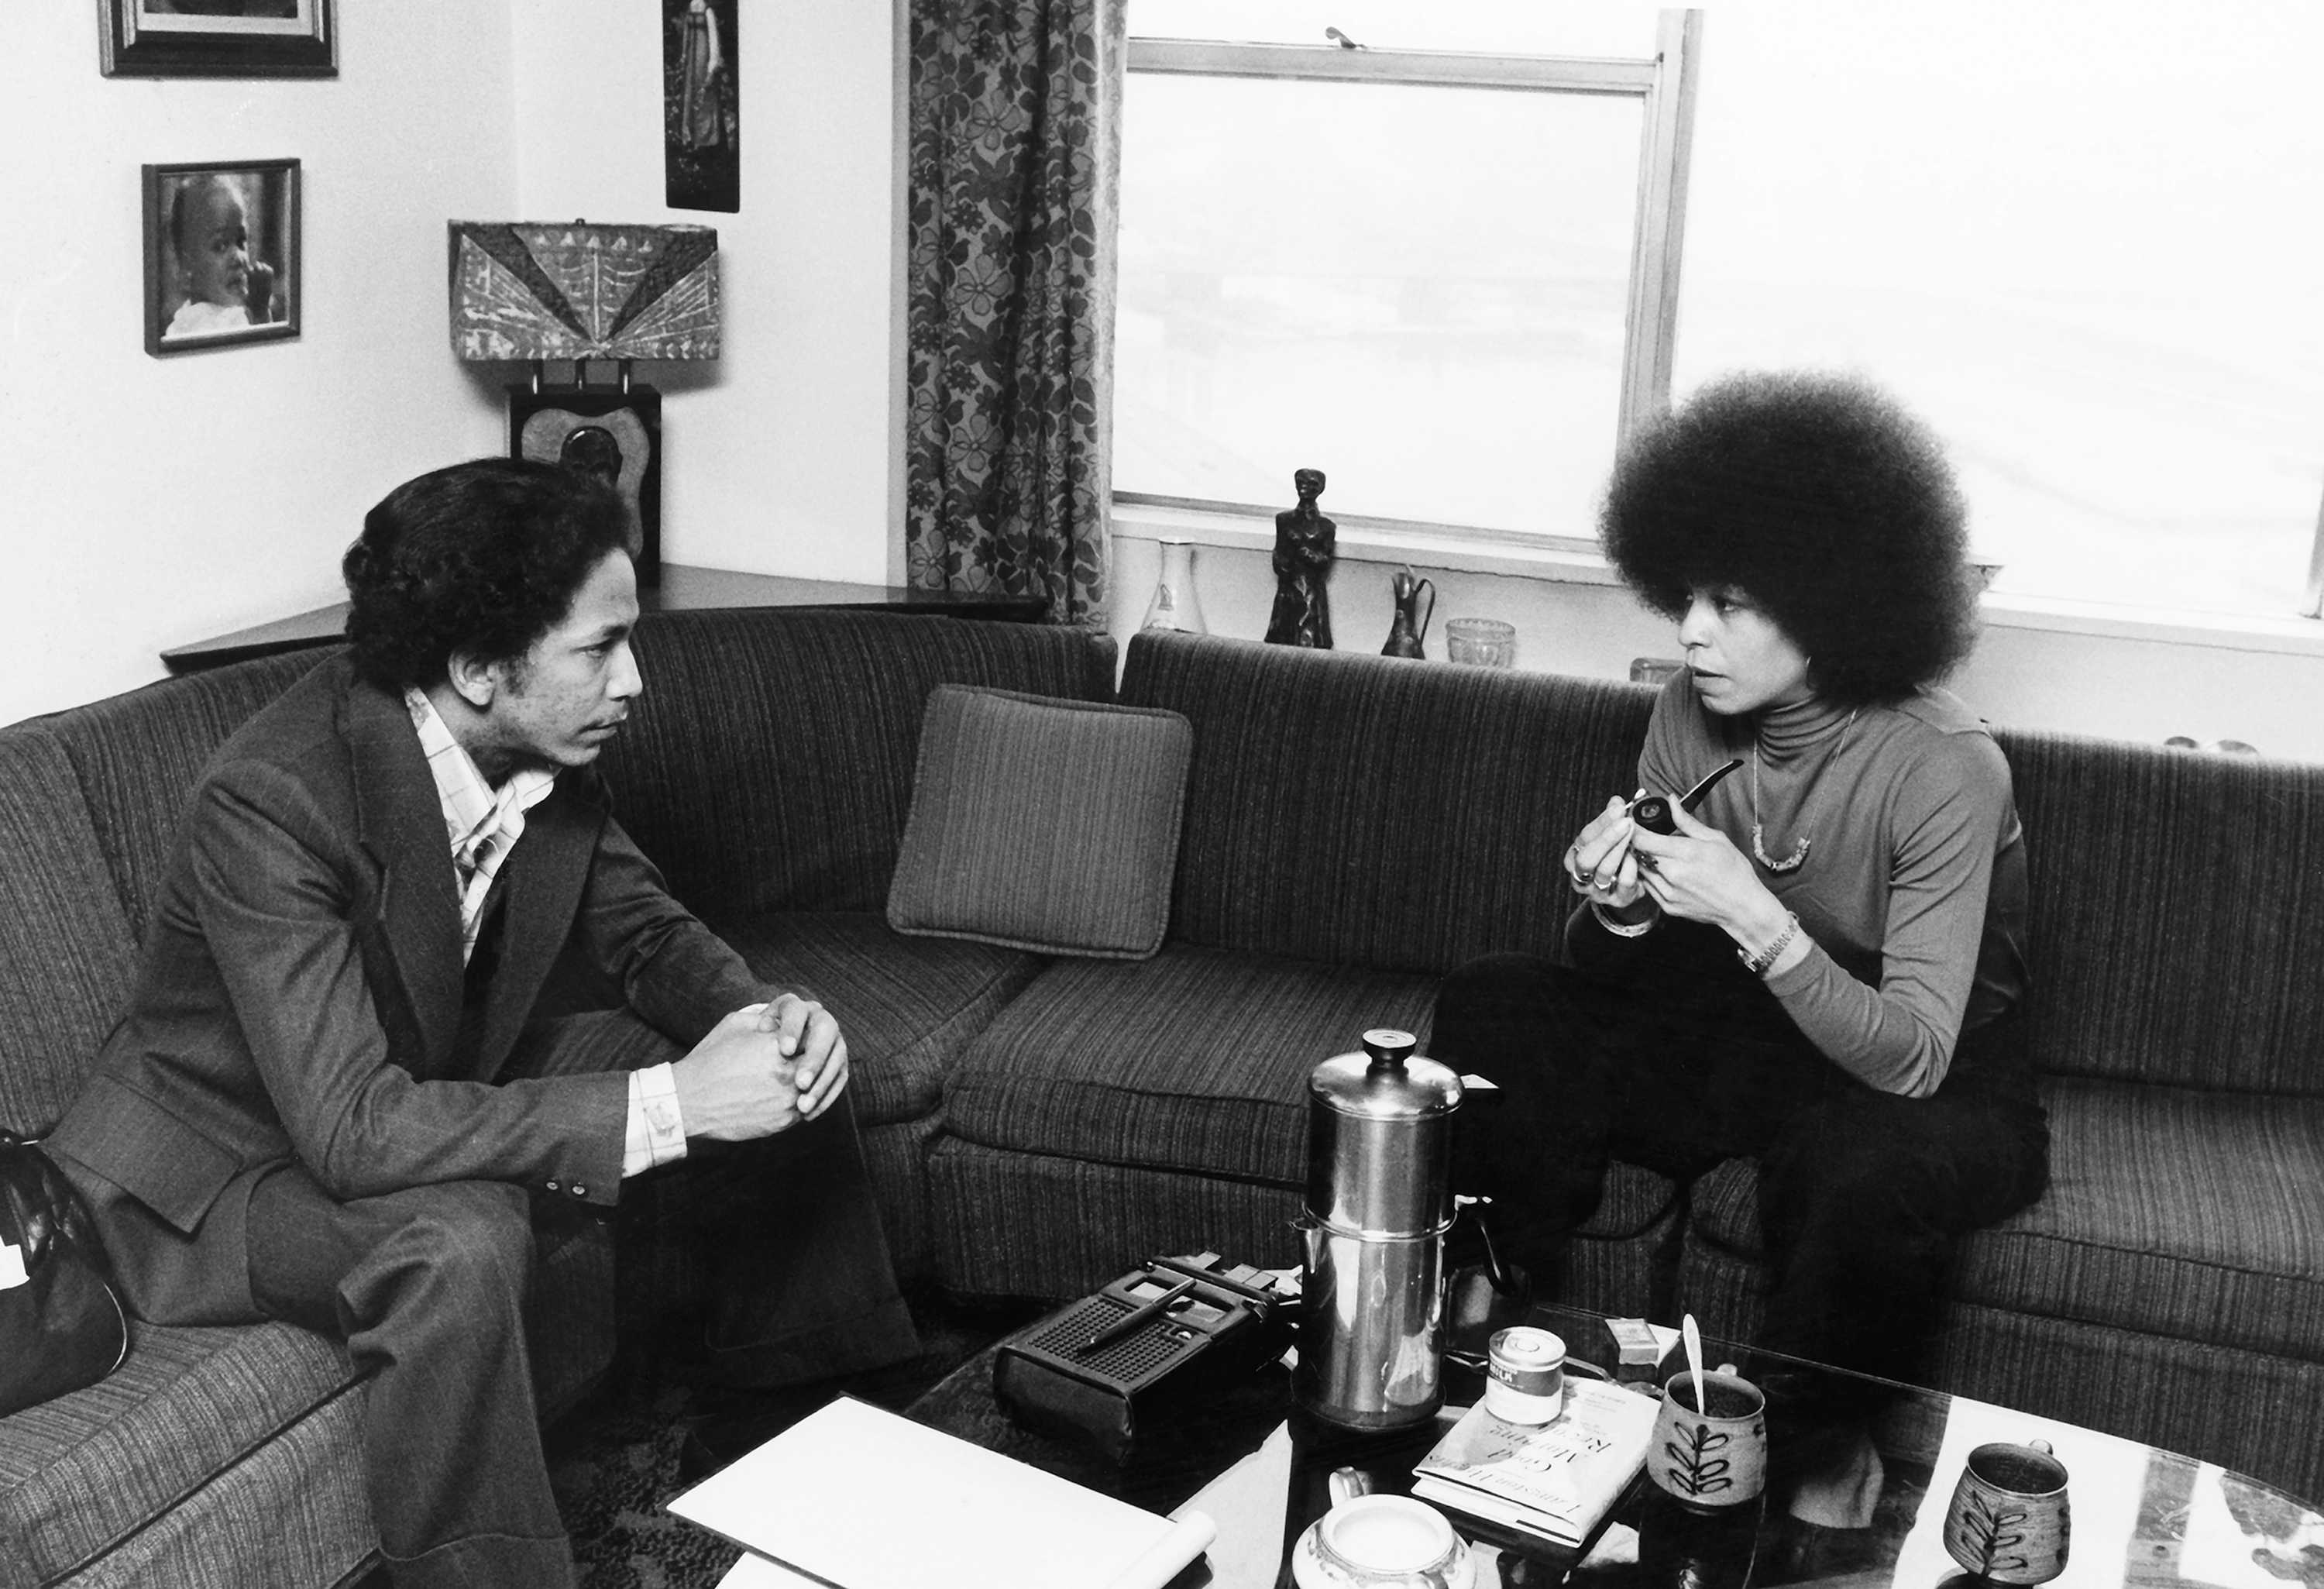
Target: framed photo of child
{"points": [[222, 249], [218, 38]]}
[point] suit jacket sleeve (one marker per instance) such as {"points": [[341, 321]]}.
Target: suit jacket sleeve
{"points": [[275, 882], [675, 973]]}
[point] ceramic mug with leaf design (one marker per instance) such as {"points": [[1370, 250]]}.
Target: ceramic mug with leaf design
{"points": [[2008, 1522], [1713, 1456]]}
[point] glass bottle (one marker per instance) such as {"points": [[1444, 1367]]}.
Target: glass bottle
{"points": [[1174, 605]]}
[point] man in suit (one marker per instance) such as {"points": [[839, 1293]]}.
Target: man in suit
{"points": [[330, 1101]]}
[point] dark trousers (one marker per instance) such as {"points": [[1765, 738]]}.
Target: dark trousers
{"points": [[427, 1287], [1684, 1060]]}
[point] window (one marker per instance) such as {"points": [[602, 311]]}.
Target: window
{"points": [[1438, 267], [2080, 238]]}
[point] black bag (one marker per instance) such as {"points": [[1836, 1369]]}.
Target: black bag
{"points": [[61, 1326]]}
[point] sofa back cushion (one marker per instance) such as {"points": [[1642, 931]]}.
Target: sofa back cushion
{"points": [[138, 755], [2176, 923], [65, 953], [89, 801], [1394, 815], [768, 764]]}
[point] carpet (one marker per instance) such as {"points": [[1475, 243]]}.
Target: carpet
{"points": [[614, 1461]]}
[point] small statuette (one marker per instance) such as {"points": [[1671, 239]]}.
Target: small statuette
{"points": [[1305, 542]]}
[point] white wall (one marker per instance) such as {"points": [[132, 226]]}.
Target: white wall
{"points": [[156, 501], [779, 457]]}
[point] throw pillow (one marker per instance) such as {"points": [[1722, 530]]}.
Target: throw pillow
{"points": [[1042, 824]]}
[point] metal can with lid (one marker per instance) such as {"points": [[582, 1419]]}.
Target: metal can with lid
{"points": [[1525, 1375], [1379, 1199]]}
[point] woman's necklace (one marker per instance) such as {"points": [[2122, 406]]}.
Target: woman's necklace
{"points": [[1790, 862]]}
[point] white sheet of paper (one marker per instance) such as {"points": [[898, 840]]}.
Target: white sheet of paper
{"points": [[860, 1497], [756, 1571]]}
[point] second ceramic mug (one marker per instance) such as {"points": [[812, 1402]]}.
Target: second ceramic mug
{"points": [[2008, 1522], [1384, 1542], [1716, 1457]]}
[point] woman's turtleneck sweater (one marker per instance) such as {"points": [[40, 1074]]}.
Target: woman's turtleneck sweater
{"points": [[1912, 892]]}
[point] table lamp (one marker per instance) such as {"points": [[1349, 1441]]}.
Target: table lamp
{"points": [[548, 289]]}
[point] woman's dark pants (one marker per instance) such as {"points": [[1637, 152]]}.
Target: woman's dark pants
{"points": [[1682, 1059]]}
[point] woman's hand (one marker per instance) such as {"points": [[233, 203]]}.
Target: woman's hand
{"points": [[1698, 875], [1600, 863]]}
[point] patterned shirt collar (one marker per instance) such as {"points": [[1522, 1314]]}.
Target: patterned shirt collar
{"points": [[472, 807]]}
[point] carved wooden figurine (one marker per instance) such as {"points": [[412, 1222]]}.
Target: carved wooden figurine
{"points": [[1304, 543]]}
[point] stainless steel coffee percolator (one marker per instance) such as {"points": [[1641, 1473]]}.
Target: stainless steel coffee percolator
{"points": [[1379, 1199]]}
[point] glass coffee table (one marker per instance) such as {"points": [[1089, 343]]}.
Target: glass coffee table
{"points": [[2143, 1517]]}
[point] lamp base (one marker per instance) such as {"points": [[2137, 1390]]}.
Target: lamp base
{"points": [[611, 431]]}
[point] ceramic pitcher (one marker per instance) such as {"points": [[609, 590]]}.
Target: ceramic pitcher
{"points": [[1410, 628]]}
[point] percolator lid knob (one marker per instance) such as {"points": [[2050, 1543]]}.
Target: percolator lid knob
{"points": [[1387, 1046]]}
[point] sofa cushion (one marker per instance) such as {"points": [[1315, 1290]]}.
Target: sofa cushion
{"points": [[2172, 1213], [2192, 1215], [2174, 931], [63, 939], [83, 1471], [1367, 811], [768, 764], [1042, 824], [908, 1006], [1196, 1059], [140, 754]]}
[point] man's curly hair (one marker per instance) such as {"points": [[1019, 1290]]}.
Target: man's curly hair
{"points": [[1822, 500], [484, 556]]}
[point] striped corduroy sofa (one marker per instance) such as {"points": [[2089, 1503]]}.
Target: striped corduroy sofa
{"points": [[1355, 826], [770, 765]]}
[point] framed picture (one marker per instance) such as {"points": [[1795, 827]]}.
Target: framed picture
{"points": [[614, 432], [218, 38], [222, 251]]}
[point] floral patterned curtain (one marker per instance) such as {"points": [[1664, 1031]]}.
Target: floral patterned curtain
{"points": [[1015, 108]]}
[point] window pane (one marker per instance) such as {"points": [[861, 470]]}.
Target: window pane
{"points": [[1420, 292], [2082, 240]]}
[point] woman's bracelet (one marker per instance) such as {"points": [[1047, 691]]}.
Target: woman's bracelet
{"points": [[1625, 928], [1764, 961]]}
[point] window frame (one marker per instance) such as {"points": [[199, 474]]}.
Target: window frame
{"points": [[1664, 83]]}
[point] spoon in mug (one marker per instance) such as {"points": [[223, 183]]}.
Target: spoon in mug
{"points": [[1693, 1338]]}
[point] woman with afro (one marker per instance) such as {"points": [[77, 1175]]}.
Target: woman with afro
{"points": [[1820, 969]]}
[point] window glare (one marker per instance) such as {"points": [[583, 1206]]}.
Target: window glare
{"points": [[1420, 292], [1513, 27], [2081, 240]]}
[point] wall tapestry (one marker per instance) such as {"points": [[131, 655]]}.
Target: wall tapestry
{"points": [[702, 119]]}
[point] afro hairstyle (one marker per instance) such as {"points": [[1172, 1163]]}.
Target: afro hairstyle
{"points": [[1824, 501], [482, 557]]}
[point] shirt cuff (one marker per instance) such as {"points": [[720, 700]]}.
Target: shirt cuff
{"points": [[656, 1134]]}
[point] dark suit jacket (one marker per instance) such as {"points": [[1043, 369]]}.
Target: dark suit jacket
{"points": [[301, 987]]}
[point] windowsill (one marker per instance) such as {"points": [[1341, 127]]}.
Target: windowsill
{"points": [[1429, 547], [1374, 540]]}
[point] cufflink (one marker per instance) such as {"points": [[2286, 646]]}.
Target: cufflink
{"points": [[555, 1188], [579, 1190]]}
